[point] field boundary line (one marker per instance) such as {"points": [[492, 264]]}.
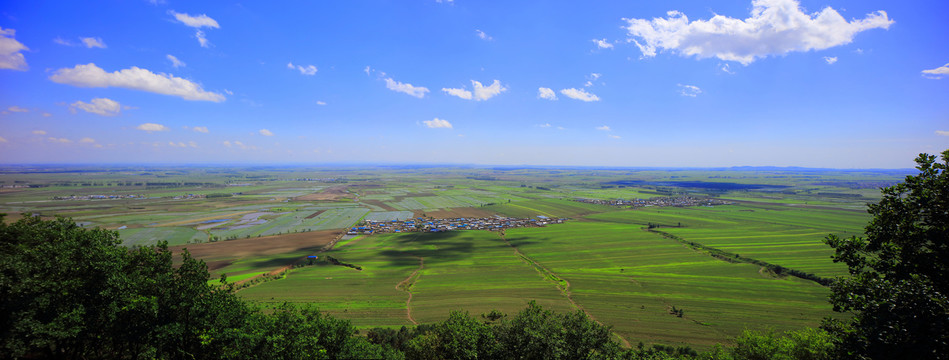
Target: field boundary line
{"points": [[406, 285], [735, 258], [564, 287], [283, 271]]}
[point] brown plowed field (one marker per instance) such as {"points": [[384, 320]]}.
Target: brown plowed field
{"points": [[222, 253]]}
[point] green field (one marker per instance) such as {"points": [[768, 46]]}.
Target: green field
{"points": [[603, 260]]}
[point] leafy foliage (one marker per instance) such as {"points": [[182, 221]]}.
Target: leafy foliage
{"points": [[897, 289], [70, 292]]}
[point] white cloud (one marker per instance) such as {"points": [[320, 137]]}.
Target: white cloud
{"points": [[198, 34], [462, 93], [10, 56], [39, 132], [265, 132], [91, 42], [2, 140], [941, 132], [545, 125], [775, 27], [579, 94], [689, 90], [46, 114], [611, 136], [192, 144], [830, 60], [200, 129], [437, 123], [305, 70], [604, 128], [483, 36], [87, 140], [62, 41], [727, 69], [58, 140], [591, 79], [416, 91], [152, 127], [321, 103], [17, 109], [367, 70], [101, 106], [135, 78], [445, 1], [602, 44], [175, 62], [196, 22], [937, 73], [485, 93], [546, 93], [480, 92]]}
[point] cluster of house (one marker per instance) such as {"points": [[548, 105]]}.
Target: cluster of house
{"points": [[98, 197], [678, 201], [495, 223]]}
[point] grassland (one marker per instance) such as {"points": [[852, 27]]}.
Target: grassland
{"points": [[601, 261]]}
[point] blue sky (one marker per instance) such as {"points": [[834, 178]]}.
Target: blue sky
{"points": [[842, 84]]}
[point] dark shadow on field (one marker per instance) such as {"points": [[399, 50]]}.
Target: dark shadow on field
{"points": [[434, 247], [521, 241]]}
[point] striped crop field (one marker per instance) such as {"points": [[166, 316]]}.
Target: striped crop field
{"points": [[791, 237], [630, 279], [474, 271], [618, 273]]}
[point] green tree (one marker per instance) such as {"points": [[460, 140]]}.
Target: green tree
{"points": [[897, 289]]}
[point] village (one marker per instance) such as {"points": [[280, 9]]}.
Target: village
{"points": [[495, 223], [678, 201]]}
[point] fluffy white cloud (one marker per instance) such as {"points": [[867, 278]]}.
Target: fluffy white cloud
{"points": [[462, 93], [546, 93], [321, 103], [483, 36], [135, 78], [305, 70], [545, 125], [480, 92], [611, 136], [579, 94], [175, 62], [58, 140], [437, 123], [200, 129], [91, 42], [87, 140], [10, 56], [152, 127], [196, 22], [17, 109], [101, 106], [265, 132], [775, 27], [602, 44], [941, 132], [830, 60], [604, 128], [937, 73], [689, 90], [416, 91], [39, 132]]}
